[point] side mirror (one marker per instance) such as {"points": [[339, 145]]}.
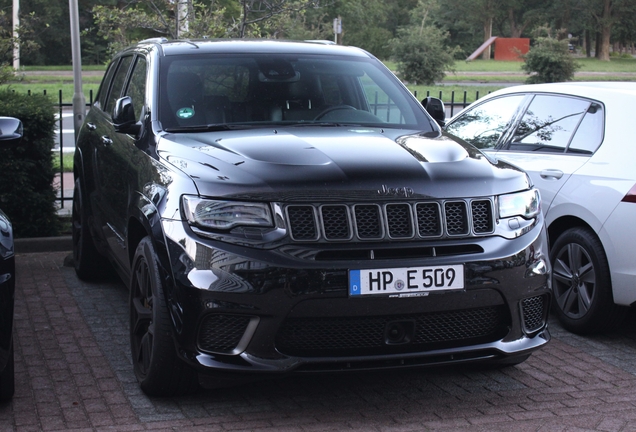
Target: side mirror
{"points": [[124, 116], [435, 107], [10, 132]]}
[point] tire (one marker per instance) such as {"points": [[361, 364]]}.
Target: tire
{"points": [[7, 378], [581, 283], [157, 368], [88, 262]]}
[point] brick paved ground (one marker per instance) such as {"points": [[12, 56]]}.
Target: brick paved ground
{"points": [[73, 372]]}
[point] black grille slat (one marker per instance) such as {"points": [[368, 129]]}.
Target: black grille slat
{"points": [[368, 222], [482, 217], [335, 221], [344, 336], [456, 218], [400, 220], [302, 222], [428, 219], [222, 333]]}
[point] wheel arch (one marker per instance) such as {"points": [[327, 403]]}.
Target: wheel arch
{"points": [[560, 225]]}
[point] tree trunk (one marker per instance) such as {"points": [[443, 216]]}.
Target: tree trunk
{"points": [[515, 31], [588, 44], [487, 35], [606, 32]]}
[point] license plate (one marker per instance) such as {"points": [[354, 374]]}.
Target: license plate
{"points": [[405, 282]]}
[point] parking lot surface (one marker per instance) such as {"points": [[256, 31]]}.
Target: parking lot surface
{"points": [[74, 373]]}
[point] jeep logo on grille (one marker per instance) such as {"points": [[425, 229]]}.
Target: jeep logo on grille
{"points": [[402, 191]]}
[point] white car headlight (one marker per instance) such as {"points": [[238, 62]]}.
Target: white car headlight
{"points": [[217, 214], [526, 204]]}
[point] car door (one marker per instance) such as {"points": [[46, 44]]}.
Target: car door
{"points": [[552, 139], [111, 160], [549, 136], [486, 124]]}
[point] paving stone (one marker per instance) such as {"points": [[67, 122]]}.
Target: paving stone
{"points": [[74, 373]]}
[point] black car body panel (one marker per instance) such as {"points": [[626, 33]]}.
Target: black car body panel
{"points": [[313, 161], [10, 136], [7, 288], [259, 225]]}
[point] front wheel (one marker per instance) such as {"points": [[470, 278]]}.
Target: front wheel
{"points": [[158, 369], [581, 283]]}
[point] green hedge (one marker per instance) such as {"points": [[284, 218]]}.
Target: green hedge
{"points": [[27, 195]]}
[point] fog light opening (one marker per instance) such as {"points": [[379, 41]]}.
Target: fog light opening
{"points": [[399, 332]]}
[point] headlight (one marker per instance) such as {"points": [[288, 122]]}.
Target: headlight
{"points": [[217, 214], [526, 204]]}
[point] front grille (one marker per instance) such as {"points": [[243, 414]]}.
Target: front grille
{"points": [[366, 335], [399, 221], [222, 333], [534, 311]]}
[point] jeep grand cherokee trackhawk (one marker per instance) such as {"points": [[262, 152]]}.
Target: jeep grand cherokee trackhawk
{"points": [[291, 207]]}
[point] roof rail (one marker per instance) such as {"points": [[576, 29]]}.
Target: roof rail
{"points": [[321, 41], [158, 40]]}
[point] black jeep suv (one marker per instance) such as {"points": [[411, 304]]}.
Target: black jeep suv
{"points": [[291, 207]]}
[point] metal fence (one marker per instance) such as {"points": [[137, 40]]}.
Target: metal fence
{"points": [[453, 105]]}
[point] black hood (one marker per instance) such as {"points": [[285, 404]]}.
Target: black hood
{"points": [[305, 163]]}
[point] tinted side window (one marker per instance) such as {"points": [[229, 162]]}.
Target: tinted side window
{"points": [[137, 86], [118, 83], [589, 134], [483, 125], [548, 124], [105, 85]]}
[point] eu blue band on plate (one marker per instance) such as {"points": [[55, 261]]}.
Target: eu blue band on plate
{"points": [[354, 282]]}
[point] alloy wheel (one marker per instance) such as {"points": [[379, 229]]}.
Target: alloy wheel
{"points": [[574, 280]]}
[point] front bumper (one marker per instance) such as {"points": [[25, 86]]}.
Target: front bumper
{"points": [[245, 310]]}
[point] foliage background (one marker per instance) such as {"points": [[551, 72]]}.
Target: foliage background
{"points": [[596, 26], [26, 171]]}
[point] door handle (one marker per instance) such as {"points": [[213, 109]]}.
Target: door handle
{"points": [[106, 140], [91, 126], [551, 174]]}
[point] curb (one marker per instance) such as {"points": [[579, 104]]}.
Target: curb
{"points": [[43, 244]]}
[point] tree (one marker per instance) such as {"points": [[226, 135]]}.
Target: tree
{"points": [[8, 41], [480, 16], [522, 14], [602, 16], [420, 50], [549, 60], [127, 23]]}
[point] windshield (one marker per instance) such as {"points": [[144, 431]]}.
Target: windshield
{"points": [[246, 90]]}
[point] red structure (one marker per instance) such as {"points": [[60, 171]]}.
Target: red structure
{"points": [[505, 48], [511, 48]]}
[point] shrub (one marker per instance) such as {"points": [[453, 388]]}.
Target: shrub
{"points": [[549, 60], [421, 54], [27, 195]]}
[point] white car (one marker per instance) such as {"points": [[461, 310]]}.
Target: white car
{"points": [[576, 141]]}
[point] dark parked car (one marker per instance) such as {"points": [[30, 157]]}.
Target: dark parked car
{"points": [[10, 135], [283, 207]]}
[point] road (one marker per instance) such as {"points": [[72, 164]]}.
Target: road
{"points": [[67, 133], [74, 373]]}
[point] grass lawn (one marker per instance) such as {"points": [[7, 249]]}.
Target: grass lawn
{"points": [[465, 73], [67, 159], [490, 71]]}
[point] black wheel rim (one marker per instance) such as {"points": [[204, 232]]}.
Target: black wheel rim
{"points": [[574, 280], [141, 324]]}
